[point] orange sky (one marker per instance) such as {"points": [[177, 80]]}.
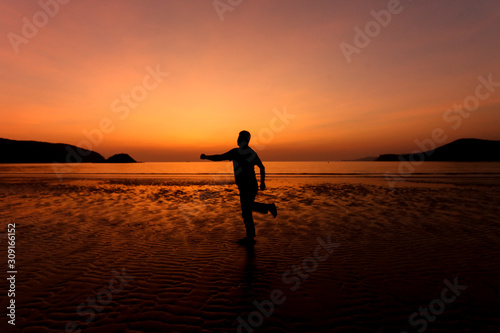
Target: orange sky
{"points": [[224, 76]]}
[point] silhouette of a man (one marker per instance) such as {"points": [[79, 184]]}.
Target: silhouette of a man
{"points": [[244, 160]]}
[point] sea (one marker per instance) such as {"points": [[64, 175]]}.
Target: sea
{"points": [[475, 172]]}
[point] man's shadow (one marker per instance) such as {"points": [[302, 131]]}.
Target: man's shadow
{"points": [[249, 270]]}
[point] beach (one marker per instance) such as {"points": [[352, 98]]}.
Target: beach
{"points": [[159, 254]]}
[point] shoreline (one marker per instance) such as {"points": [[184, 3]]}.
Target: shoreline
{"points": [[489, 180]]}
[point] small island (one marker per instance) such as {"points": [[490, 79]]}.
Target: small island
{"points": [[120, 158]]}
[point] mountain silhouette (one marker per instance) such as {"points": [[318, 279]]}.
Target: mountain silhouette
{"points": [[14, 151], [462, 150]]}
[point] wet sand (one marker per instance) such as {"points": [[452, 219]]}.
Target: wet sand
{"points": [[159, 255]]}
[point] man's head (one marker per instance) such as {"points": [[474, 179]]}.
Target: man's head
{"points": [[243, 138]]}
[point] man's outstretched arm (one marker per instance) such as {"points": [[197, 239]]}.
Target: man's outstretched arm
{"points": [[221, 157]]}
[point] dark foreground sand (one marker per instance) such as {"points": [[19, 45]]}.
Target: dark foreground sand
{"points": [[160, 256]]}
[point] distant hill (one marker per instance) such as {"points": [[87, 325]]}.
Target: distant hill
{"points": [[14, 151], [120, 158], [466, 150]]}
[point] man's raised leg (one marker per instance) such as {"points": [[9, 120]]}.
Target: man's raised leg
{"points": [[265, 208]]}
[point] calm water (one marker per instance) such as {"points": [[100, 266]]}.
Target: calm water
{"points": [[284, 169]]}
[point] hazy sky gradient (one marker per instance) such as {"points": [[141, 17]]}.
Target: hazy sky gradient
{"points": [[230, 75]]}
